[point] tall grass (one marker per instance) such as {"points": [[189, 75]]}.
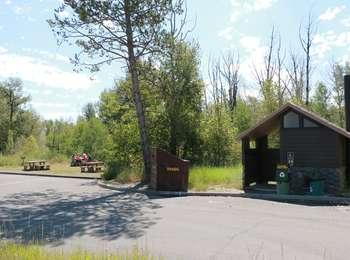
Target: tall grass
{"points": [[10, 160], [10, 251], [203, 178]]}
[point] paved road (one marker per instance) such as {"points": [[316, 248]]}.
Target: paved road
{"points": [[69, 213]]}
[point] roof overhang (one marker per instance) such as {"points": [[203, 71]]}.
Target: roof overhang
{"points": [[272, 122]]}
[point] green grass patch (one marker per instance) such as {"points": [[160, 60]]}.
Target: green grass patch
{"points": [[10, 251], [10, 160], [203, 178]]}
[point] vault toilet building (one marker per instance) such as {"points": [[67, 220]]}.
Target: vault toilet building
{"points": [[311, 145]]}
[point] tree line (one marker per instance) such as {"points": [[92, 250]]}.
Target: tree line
{"points": [[163, 100]]}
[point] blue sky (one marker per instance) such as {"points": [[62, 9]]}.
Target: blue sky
{"points": [[28, 48]]}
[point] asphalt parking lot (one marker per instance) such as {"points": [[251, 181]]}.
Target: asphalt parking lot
{"points": [[73, 213]]}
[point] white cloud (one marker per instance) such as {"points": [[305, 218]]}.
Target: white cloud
{"points": [[250, 43], [19, 10], [2, 50], [41, 73], [226, 33], [65, 115], [46, 54], [325, 42], [51, 105], [253, 58], [240, 10], [331, 13], [244, 7], [346, 22]]}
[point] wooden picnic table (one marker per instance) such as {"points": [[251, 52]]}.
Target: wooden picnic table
{"points": [[37, 165], [92, 167]]}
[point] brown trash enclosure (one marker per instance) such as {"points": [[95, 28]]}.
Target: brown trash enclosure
{"points": [[169, 173]]}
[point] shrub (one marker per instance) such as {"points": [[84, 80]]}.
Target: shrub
{"points": [[122, 174]]}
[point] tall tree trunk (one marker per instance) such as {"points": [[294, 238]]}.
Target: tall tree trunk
{"points": [[307, 77], [133, 69]]}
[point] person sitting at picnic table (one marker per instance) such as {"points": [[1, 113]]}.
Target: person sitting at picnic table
{"points": [[77, 157], [85, 157]]}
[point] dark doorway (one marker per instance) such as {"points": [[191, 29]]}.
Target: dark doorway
{"points": [[260, 162]]}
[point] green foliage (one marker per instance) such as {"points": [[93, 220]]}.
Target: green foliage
{"points": [[89, 111], [181, 90], [203, 178], [243, 116], [91, 137], [172, 97], [14, 119], [219, 147], [10, 142], [270, 97], [59, 136], [320, 102], [337, 111], [30, 149], [118, 115]]}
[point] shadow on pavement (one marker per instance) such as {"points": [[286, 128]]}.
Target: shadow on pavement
{"points": [[51, 216]]}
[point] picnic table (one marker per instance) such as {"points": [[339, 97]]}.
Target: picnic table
{"points": [[92, 167], [38, 165]]}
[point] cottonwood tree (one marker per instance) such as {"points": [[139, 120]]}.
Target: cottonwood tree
{"points": [[306, 37], [111, 30]]}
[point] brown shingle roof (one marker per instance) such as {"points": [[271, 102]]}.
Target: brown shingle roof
{"points": [[271, 122]]}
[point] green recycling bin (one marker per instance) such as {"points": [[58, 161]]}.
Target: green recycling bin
{"points": [[282, 178], [283, 188], [317, 187]]}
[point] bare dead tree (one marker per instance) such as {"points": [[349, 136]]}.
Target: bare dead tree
{"points": [[296, 76], [230, 77], [306, 37], [267, 73], [215, 82], [281, 82]]}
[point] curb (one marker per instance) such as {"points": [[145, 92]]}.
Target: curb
{"points": [[169, 193], [323, 200], [51, 175]]}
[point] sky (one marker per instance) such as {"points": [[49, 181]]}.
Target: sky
{"points": [[29, 50]]}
